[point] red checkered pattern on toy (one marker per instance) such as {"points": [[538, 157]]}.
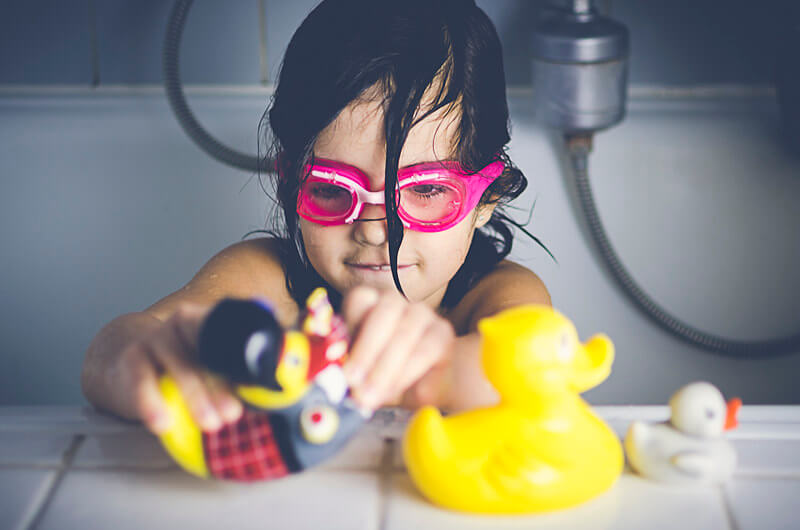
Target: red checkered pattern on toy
{"points": [[245, 450]]}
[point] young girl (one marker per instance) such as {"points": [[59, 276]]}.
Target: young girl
{"points": [[371, 96]]}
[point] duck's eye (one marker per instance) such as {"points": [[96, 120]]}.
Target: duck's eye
{"points": [[293, 360], [319, 423], [710, 414], [255, 347]]}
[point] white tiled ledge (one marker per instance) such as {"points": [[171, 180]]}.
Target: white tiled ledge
{"points": [[68, 467], [748, 413], [87, 420]]}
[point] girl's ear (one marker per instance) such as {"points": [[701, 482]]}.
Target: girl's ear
{"points": [[484, 213]]}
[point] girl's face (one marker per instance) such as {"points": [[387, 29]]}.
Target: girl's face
{"points": [[358, 254]]}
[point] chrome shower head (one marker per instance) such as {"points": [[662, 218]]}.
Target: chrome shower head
{"points": [[580, 68]]}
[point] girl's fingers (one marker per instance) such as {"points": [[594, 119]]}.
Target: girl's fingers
{"points": [[431, 389], [356, 304], [148, 403], [170, 351], [186, 323], [380, 385], [425, 373], [229, 407], [374, 333]]}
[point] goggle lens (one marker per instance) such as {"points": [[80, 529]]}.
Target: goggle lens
{"points": [[430, 203], [326, 200]]}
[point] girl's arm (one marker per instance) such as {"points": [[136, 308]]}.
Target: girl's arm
{"points": [[462, 385], [124, 360]]}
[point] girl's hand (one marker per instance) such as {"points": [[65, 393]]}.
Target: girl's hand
{"points": [[170, 348], [400, 351]]}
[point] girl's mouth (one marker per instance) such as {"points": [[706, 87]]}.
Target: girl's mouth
{"points": [[376, 267]]}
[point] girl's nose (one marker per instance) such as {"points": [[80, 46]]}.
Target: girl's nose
{"points": [[370, 227]]}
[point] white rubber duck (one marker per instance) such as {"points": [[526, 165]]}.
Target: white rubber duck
{"points": [[689, 448]]}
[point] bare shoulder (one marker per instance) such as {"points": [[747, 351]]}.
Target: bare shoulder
{"points": [[509, 284], [242, 270]]}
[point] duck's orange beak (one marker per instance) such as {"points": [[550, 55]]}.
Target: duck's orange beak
{"points": [[733, 408]]}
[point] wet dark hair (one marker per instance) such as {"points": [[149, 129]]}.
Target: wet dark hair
{"points": [[339, 54]]}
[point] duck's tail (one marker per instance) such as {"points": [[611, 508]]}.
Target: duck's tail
{"points": [[426, 446], [183, 440]]}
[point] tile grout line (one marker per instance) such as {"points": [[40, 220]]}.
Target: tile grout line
{"points": [[726, 508], [94, 54], [32, 520], [658, 92], [768, 475], [32, 465], [385, 471], [36, 504], [262, 41]]}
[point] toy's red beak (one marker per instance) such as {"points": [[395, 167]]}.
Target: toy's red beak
{"points": [[733, 408]]}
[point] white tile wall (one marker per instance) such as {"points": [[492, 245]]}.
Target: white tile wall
{"points": [[173, 499], [21, 494], [61, 419], [768, 458], [631, 503], [122, 479], [33, 449], [764, 503], [363, 452], [134, 449]]}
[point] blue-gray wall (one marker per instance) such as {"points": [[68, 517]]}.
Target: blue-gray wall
{"points": [[108, 206], [680, 42]]}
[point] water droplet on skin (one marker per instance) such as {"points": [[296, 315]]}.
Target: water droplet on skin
{"points": [[213, 276]]}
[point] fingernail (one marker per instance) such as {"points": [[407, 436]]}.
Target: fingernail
{"points": [[368, 398], [210, 420], [231, 410], [159, 422], [355, 378], [352, 375]]}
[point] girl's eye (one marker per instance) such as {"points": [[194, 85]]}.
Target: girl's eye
{"points": [[428, 191], [328, 192], [430, 201], [328, 198]]}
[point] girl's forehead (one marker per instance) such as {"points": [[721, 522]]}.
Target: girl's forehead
{"points": [[356, 137]]}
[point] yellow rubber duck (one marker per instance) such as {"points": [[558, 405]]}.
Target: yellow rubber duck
{"points": [[184, 440], [289, 381], [541, 448]]}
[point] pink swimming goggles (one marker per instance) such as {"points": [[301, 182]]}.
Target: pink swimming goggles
{"points": [[432, 196]]}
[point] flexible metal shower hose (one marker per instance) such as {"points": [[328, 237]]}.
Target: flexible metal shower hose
{"points": [[177, 100], [579, 148]]}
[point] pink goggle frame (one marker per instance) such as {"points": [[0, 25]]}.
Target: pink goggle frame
{"points": [[432, 196]]}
